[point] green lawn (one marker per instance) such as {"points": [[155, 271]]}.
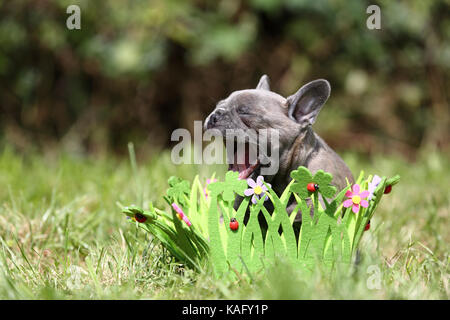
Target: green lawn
{"points": [[62, 235]]}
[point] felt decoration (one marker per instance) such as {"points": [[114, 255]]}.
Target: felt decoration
{"points": [[303, 177], [312, 187], [178, 189], [181, 214], [234, 224], [387, 189], [203, 225], [257, 189], [140, 218], [373, 185], [356, 198], [208, 181], [229, 187]]}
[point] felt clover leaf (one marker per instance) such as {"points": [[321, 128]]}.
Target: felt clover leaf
{"points": [[178, 188], [231, 185], [321, 182]]}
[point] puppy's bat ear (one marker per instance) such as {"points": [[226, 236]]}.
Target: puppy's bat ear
{"points": [[305, 104], [264, 83]]}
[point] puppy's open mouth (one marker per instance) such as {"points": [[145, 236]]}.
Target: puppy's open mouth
{"points": [[243, 162]]}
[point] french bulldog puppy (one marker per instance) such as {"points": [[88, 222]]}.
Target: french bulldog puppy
{"points": [[293, 118]]}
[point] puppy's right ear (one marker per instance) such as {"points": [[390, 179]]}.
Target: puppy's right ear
{"points": [[264, 83], [305, 104]]}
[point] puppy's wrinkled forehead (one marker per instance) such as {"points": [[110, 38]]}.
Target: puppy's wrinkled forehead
{"points": [[254, 98]]}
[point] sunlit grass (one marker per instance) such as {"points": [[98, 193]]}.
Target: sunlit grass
{"points": [[62, 235]]}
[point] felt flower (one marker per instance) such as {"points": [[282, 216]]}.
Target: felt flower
{"points": [[303, 177], [208, 182], [356, 198], [373, 185], [181, 214], [257, 189]]}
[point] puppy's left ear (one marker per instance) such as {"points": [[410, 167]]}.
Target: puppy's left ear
{"points": [[264, 83], [305, 104]]}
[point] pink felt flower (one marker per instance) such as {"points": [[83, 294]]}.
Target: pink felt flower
{"points": [[181, 214], [356, 198], [257, 189], [205, 190]]}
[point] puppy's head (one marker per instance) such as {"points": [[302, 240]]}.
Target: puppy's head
{"points": [[250, 111]]}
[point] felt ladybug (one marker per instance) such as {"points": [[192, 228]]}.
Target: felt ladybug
{"points": [[140, 218], [312, 187], [388, 189], [234, 225], [367, 227]]}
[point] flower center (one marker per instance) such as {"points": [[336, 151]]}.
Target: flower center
{"points": [[179, 216], [258, 190], [356, 199]]}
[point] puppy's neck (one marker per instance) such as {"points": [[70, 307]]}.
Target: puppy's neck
{"points": [[302, 149]]}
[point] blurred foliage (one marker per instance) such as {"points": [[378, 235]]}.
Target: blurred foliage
{"points": [[139, 69]]}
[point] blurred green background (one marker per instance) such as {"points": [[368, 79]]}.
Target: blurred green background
{"points": [[137, 70]]}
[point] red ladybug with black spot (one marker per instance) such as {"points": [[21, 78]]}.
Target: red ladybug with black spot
{"points": [[234, 224], [312, 187], [388, 189], [140, 218]]}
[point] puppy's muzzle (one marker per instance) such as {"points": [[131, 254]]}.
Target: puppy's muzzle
{"points": [[213, 118]]}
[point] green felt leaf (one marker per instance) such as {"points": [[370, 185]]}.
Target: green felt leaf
{"points": [[235, 237], [252, 241], [273, 242], [393, 181], [287, 191], [183, 240], [318, 236], [288, 232], [306, 229], [169, 238], [218, 258], [192, 211]]}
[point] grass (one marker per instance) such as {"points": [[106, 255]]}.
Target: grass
{"points": [[62, 235]]}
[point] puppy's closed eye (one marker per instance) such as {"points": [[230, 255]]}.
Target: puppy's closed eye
{"points": [[243, 110]]}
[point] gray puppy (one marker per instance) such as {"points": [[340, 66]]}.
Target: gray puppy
{"points": [[293, 118]]}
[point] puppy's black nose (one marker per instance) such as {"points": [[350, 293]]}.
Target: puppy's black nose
{"points": [[212, 121]]}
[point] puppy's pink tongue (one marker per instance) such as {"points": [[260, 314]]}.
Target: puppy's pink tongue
{"points": [[246, 172]]}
